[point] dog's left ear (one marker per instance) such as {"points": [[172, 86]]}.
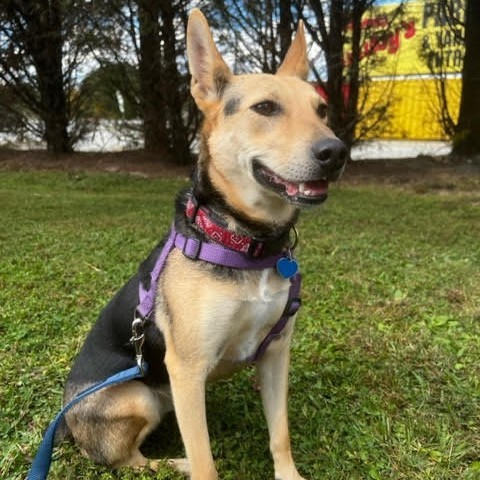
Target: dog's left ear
{"points": [[210, 74], [295, 62]]}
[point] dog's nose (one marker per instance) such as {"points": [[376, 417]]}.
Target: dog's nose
{"points": [[331, 153]]}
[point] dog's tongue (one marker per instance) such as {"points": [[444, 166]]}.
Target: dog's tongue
{"points": [[314, 189], [291, 188]]}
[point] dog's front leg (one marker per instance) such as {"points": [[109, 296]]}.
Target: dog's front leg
{"points": [[273, 378], [187, 380]]}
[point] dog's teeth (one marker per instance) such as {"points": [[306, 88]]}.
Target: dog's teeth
{"points": [[304, 190]]}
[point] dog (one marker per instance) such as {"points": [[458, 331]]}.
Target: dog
{"points": [[266, 152]]}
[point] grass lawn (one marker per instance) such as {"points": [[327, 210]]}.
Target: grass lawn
{"points": [[385, 376]]}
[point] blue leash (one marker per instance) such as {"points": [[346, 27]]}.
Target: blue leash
{"points": [[43, 459]]}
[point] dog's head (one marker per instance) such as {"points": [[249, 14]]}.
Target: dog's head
{"points": [[268, 146]]}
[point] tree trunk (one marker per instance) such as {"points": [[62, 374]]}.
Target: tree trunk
{"points": [[467, 136], [172, 84], [151, 77], [351, 105], [44, 42], [335, 69], [285, 26]]}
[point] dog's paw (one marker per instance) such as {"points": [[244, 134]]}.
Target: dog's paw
{"points": [[291, 475], [138, 462], [153, 465], [182, 465]]}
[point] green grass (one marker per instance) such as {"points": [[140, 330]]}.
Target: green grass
{"points": [[386, 356]]}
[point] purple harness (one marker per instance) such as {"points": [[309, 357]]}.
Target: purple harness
{"points": [[217, 254]]}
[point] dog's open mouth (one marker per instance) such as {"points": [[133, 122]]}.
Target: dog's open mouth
{"points": [[308, 192]]}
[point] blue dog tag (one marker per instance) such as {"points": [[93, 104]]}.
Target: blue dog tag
{"points": [[287, 267]]}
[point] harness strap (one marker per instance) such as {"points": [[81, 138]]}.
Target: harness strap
{"points": [[41, 464], [217, 254], [147, 297], [197, 250], [291, 308]]}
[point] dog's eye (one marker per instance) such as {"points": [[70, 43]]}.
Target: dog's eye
{"points": [[322, 110], [267, 108]]}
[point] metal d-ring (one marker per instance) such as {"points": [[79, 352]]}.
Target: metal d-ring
{"points": [[295, 239]]}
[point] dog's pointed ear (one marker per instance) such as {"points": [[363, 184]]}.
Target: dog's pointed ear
{"points": [[295, 62], [210, 74]]}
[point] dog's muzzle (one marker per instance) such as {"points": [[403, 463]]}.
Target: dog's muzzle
{"points": [[329, 157]]}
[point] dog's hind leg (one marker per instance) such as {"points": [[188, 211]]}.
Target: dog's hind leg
{"points": [[110, 425], [273, 377]]}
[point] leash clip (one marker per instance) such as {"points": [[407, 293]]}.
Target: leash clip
{"points": [[137, 340]]}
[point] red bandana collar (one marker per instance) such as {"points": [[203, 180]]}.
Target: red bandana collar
{"points": [[201, 216]]}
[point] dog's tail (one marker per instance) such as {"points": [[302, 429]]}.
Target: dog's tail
{"points": [[63, 433]]}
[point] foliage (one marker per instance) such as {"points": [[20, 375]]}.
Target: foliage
{"points": [[66, 61], [49, 52], [256, 34], [114, 92], [385, 362], [42, 47], [144, 41], [148, 37], [348, 45]]}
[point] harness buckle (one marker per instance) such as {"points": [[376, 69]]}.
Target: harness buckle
{"points": [[191, 248], [137, 340]]}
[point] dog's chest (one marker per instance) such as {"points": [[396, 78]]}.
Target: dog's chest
{"points": [[217, 319], [258, 306]]}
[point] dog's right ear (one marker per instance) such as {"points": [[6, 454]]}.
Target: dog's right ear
{"points": [[210, 74]]}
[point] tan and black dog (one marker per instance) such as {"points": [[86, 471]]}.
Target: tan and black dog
{"points": [[265, 151]]}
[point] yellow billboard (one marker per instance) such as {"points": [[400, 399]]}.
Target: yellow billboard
{"points": [[413, 37], [414, 110], [406, 45]]}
